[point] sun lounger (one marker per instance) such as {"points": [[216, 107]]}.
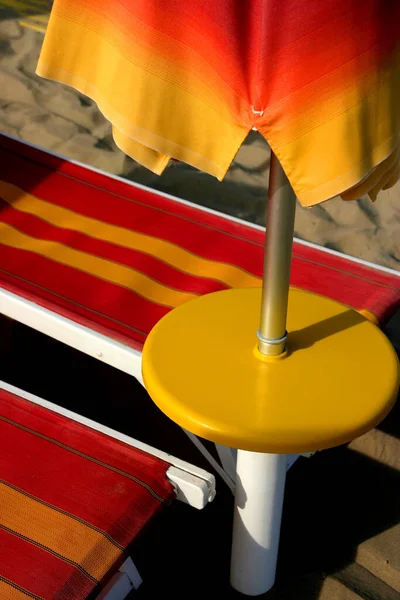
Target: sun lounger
{"points": [[74, 495]]}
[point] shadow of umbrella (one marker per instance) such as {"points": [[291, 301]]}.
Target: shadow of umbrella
{"points": [[345, 499], [308, 336]]}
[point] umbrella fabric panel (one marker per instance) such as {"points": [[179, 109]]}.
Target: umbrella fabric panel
{"points": [[189, 79]]}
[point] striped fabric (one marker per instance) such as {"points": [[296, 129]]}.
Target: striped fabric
{"points": [[188, 79], [71, 500], [117, 257]]}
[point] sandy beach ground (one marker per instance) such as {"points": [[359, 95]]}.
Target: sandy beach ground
{"points": [[60, 119]]}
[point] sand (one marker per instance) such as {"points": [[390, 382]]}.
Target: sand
{"points": [[60, 119]]}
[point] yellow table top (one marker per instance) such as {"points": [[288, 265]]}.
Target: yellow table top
{"points": [[338, 380]]}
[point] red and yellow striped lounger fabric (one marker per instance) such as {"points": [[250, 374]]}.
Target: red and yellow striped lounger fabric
{"points": [[117, 257], [71, 501]]}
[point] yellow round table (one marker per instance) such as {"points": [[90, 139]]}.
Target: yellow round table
{"points": [[338, 379]]}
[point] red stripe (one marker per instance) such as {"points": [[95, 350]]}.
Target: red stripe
{"points": [[112, 502], [153, 267], [308, 256], [113, 307], [351, 283], [39, 572]]}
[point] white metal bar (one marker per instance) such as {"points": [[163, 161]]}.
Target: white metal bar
{"points": [[73, 334], [195, 475], [227, 456], [130, 570], [118, 588], [260, 488], [208, 456], [126, 579]]}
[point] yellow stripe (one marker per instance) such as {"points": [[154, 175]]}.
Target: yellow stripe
{"points": [[369, 315], [34, 23], [27, 7], [174, 255], [58, 532], [99, 267], [32, 26], [8, 592]]}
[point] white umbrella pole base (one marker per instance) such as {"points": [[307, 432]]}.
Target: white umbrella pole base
{"points": [[260, 488]]}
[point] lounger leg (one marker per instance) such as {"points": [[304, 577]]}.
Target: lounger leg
{"points": [[227, 456], [122, 583], [260, 488]]}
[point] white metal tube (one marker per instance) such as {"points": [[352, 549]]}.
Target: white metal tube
{"points": [[260, 488]]}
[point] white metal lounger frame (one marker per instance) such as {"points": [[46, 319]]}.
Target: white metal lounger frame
{"points": [[193, 485]]}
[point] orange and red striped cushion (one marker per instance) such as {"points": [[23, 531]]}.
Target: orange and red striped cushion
{"points": [[117, 257], [71, 500]]}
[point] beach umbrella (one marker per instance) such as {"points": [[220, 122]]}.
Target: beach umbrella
{"points": [[188, 80]]}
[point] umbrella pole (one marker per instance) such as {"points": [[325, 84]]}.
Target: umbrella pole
{"points": [[280, 213], [260, 478]]}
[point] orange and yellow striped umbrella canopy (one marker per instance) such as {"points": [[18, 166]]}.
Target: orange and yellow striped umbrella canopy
{"points": [[188, 79]]}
